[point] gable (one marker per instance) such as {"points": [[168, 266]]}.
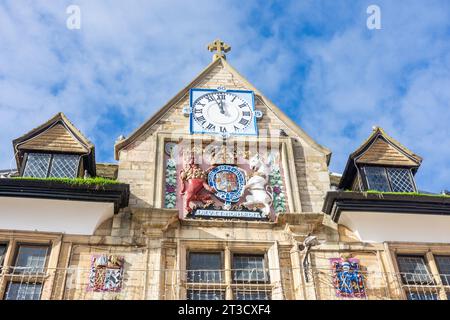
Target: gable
{"points": [[57, 134], [57, 138], [170, 118], [380, 152]]}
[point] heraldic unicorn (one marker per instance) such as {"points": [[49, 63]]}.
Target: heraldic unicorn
{"points": [[257, 185]]}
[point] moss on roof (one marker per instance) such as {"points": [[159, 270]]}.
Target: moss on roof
{"points": [[97, 181], [403, 193]]}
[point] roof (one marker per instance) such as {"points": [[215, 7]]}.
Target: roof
{"points": [[57, 134], [379, 149], [409, 203], [185, 91], [107, 170]]}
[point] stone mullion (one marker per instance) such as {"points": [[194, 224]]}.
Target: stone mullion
{"points": [[228, 275], [435, 274]]}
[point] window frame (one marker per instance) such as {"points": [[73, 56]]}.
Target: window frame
{"points": [[50, 164], [425, 264], [3, 258], [265, 266], [445, 282], [28, 244], [221, 268], [228, 288], [428, 253], [386, 172], [11, 282]]}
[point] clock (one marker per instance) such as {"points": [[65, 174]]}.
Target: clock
{"points": [[224, 112]]}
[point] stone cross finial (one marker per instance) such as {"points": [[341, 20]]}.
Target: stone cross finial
{"points": [[221, 48]]}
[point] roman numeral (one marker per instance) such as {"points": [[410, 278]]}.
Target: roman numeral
{"points": [[221, 96], [242, 105], [223, 129], [201, 104], [201, 119], [209, 97], [246, 113], [210, 127], [244, 122], [198, 110]]}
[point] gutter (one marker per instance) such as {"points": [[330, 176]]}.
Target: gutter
{"points": [[58, 190]]}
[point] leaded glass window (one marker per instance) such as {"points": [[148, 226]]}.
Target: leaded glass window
{"points": [[2, 254], [249, 268], [252, 295], [64, 166], [205, 267], [377, 178], [414, 271], [23, 291], [389, 179], [401, 180], [30, 259], [37, 165], [205, 295], [421, 295], [443, 263], [43, 165]]}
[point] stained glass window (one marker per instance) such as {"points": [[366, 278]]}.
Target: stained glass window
{"points": [[204, 267], [249, 268], [23, 291]]}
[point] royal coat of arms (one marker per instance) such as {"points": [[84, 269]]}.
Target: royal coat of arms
{"points": [[229, 182]]}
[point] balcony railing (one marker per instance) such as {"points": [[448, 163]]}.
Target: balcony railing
{"points": [[242, 284]]}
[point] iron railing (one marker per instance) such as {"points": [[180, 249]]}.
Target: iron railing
{"points": [[242, 284]]}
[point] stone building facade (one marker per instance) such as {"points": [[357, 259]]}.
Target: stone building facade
{"points": [[128, 231]]}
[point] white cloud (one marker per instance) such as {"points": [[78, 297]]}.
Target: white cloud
{"points": [[315, 59]]}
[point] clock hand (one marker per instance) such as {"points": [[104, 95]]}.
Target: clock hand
{"points": [[220, 105]]}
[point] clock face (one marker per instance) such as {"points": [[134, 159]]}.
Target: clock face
{"points": [[222, 112]]}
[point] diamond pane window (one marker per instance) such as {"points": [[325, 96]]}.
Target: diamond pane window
{"points": [[377, 178], [401, 180], [64, 166], [414, 270], [30, 259], [37, 165], [443, 263], [249, 268], [204, 267], [43, 165]]}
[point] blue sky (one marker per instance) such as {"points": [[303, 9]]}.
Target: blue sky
{"points": [[315, 59]]}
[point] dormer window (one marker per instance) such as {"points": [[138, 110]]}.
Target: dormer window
{"points": [[389, 179], [43, 165]]}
